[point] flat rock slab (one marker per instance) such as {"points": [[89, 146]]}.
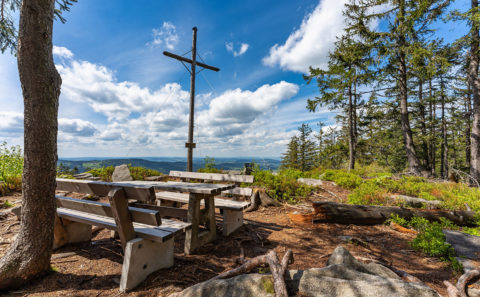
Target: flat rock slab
{"points": [[465, 245], [416, 202], [121, 173], [310, 181], [343, 277]]}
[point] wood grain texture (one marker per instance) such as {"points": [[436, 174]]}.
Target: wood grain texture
{"points": [[213, 176]]}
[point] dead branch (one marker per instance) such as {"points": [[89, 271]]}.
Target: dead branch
{"points": [[463, 281], [277, 269], [452, 291]]}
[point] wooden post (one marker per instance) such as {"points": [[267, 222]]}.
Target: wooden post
{"points": [[190, 145], [119, 203]]}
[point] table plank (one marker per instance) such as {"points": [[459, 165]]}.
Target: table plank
{"points": [[195, 188]]}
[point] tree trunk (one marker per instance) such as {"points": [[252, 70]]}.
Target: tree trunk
{"points": [[332, 212], [468, 119], [474, 81], [433, 118], [351, 132], [444, 160], [423, 125], [414, 165], [29, 255]]}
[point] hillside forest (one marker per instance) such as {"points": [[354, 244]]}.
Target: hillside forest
{"points": [[405, 99]]}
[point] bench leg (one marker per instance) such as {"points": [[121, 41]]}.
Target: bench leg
{"points": [[232, 220], [66, 232], [142, 257]]}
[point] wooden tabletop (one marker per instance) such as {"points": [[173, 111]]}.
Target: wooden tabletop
{"points": [[196, 188]]}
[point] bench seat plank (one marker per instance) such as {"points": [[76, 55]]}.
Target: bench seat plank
{"points": [[162, 233], [213, 176], [139, 215], [219, 203], [207, 189], [239, 191]]}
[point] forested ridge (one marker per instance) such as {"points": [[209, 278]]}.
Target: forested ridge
{"points": [[407, 100]]}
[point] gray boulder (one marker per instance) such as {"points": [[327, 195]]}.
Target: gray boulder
{"points": [[344, 276], [465, 245], [121, 173], [310, 182]]}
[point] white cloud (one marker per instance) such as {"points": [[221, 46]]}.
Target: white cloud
{"points": [[166, 36], [11, 123], [76, 127], [230, 48], [310, 44], [63, 52], [97, 86]]}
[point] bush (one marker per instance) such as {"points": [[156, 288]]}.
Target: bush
{"points": [[342, 178], [368, 193], [11, 168], [137, 173], [282, 186], [430, 238], [209, 166]]}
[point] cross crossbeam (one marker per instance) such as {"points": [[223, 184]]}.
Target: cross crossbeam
{"points": [[190, 145]]}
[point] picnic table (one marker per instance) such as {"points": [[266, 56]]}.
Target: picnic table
{"points": [[197, 192]]}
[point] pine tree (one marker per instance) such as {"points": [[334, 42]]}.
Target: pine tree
{"points": [[290, 158]]}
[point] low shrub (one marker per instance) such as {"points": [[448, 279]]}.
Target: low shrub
{"points": [[368, 193], [11, 168], [430, 238], [282, 186], [342, 178], [137, 173]]}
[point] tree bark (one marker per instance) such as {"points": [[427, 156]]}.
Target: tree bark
{"points": [[332, 212], [423, 125], [414, 165], [29, 255], [444, 160], [351, 132], [468, 119], [433, 117], [474, 81]]}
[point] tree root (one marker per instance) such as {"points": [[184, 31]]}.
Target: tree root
{"points": [[460, 290], [278, 269]]}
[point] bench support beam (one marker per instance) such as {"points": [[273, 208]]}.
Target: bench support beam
{"points": [[119, 204], [195, 238], [142, 257], [232, 220]]}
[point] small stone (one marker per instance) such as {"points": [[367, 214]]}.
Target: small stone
{"points": [[310, 182]]}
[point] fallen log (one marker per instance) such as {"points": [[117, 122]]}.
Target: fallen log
{"points": [[332, 212]]}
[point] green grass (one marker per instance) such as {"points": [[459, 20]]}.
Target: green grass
{"points": [[7, 204]]}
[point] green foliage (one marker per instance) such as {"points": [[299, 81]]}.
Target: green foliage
{"points": [[282, 186], [6, 204], [368, 193], [430, 238], [137, 173], [105, 173], [209, 166], [11, 167], [342, 178]]}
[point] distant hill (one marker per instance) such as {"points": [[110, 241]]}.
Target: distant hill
{"points": [[164, 164]]}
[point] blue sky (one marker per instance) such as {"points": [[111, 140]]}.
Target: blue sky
{"points": [[122, 97]]}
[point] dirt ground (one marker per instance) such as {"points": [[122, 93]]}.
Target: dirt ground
{"points": [[94, 268]]}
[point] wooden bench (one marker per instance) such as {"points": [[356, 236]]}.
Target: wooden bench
{"points": [[232, 210], [147, 239]]}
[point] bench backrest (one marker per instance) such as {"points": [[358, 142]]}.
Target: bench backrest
{"points": [[138, 215], [136, 192], [213, 176]]}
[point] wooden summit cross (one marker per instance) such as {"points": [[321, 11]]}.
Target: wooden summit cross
{"points": [[190, 144]]}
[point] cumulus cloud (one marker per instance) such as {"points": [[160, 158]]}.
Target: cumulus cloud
{"points": [[236, 53], [76, 127], [63, 52], [142, 121], [166, 36], [11, 123], [97, 86], [310, 44]]}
